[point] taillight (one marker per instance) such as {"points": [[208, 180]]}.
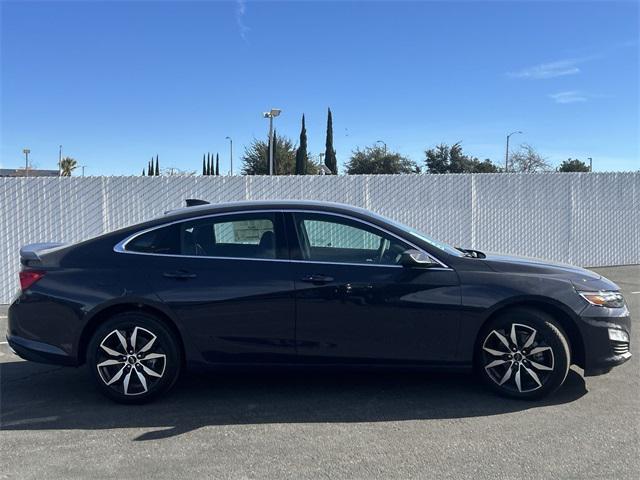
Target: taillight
{"points": [[29, 277]]}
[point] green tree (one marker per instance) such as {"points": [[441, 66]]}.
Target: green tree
{"points": [[150, 168], [204, 165], [67, 166], [255, 159], [275, 152], [573, 165], [377, 160], [157, 172], [302, 155], [527, 160], [208, 164], [451, 159], [143, 173], [217, 164], [329, 153]]}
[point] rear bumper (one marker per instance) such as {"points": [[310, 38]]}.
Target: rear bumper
{"points": [[38, 351], [601, 352]]}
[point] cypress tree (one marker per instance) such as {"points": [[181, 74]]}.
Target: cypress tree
{"points": [[143, 172], [157, 167], [150, 168], [217, 164], [329, 153], [204, 167], [301, 154], [208, 163], [275, 152]]}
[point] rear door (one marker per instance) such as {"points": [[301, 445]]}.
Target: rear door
{"points": [[356, 304], [230, 283]]}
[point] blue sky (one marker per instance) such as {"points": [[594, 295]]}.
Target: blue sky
{"points": [[118, 82]]}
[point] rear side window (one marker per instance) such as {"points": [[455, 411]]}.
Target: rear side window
{"points": [[163, 240], [238, 236]]}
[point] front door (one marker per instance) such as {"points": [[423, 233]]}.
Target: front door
{"points": [[356, 304]]}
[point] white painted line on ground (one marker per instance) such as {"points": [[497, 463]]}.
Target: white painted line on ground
{"points": [[4, 343], [634, 292]]}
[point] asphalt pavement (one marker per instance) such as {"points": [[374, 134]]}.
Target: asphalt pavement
{"points": [[54, 424]]}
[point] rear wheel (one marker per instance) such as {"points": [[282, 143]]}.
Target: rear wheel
{"points": [[524, 354], [133, 357]]}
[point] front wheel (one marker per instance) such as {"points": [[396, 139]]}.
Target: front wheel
{"points": [[523, 354], [133, 357]]}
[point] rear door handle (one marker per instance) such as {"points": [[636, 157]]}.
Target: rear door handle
{"points": [[317, 279], [180, 274]]}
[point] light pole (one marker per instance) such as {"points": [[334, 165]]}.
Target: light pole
{"points": [[590, 164], [231, 153], [59, 159], [83, 167], [383, 143], [506, 154], [26, 152], [271, 114]]}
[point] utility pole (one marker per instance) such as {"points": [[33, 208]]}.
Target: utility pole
{"points": [[271, 114], [506, 154], [26, 152], [59, 160], [231, 153]]}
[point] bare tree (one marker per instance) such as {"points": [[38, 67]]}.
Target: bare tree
{"points": [[527, 160]]}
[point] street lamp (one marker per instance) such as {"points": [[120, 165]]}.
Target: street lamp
{"points": [[230, 153], [590, 164], [506, 155], [59, 159], [83, 167], [271, 114], [383, 143], [26, 152]]}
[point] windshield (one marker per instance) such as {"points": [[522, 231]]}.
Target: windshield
{"points": [[425, 238]]}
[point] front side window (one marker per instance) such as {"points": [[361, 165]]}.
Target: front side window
{"points": [[238, 236], [327, 238]]}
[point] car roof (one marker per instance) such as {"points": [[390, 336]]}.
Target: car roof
{"points": [[264, 204]]}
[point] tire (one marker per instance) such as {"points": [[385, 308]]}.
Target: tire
{"points": [[535, 366], [138, 374]]}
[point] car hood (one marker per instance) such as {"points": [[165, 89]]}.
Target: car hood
{"points": [[581, 278]]}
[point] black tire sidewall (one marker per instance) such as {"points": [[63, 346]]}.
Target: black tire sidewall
{"points": [[554, 336], [164, 336]]}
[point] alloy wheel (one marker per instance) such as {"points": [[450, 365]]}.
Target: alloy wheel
{"points": [[517, 359], [131, 361]]}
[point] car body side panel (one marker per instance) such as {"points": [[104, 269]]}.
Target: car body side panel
{"points": [[374, 314]]}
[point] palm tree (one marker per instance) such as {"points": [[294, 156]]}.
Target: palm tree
{"points": [[67, 166]]}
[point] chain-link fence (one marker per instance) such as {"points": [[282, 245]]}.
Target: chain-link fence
{"points": [[589, 219]]}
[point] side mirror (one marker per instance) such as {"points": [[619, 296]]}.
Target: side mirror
{"points": [[416, 258]]}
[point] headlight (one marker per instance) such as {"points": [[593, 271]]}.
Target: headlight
{"points": [[604, 299]]}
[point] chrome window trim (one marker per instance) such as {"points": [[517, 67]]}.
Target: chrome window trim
{"points": [[120, 247]]}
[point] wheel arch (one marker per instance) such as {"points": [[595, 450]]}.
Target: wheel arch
{"points": [[558, 312], [100, 316]]}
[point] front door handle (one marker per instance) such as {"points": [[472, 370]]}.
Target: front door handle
{"points": [[317, 279], [180, 274]]}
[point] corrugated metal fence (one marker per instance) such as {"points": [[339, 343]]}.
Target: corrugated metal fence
{"points": [[588, 219]]}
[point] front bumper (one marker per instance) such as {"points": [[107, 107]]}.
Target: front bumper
{"points": [[601, 352]]}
